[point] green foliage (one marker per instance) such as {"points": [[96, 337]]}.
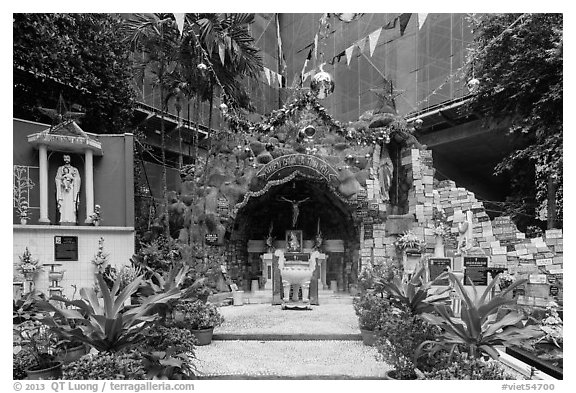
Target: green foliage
{"points": [[199, 315], [37, 341], [413, 295], [22, 361], [106, 366], [106, 326], [371, 309], [519, 62], [157, 256], [84, 59], [371, 277], [479, 328], [162, 338], [463, 367], [400, 335]]}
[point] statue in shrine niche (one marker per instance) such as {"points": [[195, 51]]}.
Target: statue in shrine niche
{"points": [[67, 191], [295, 208], [385, 176]]}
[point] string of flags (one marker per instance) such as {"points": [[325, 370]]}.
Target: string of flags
{"points": [[273, 78], [396, 25]]}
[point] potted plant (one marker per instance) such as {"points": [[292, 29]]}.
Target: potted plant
{"points": [[28, 265], [69, 350], [370, 309], [411, 247], [201, 318], [95, 217], [35, 340], [401, 334]]}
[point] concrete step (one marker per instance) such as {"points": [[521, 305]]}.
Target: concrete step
{"points": [[287, 337]]}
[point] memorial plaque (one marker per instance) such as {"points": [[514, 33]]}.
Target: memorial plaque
{"points": [[437, 266], [65, 248], [211, 238], [554, 290], [475, 270]]}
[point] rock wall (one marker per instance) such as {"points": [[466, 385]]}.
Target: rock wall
{"points": [[537, 259]]}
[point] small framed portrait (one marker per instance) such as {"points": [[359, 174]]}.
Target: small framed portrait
{"points": [[294, 241]]}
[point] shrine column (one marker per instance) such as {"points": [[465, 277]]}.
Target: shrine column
{"points": [[43, 163], [89, 176]]}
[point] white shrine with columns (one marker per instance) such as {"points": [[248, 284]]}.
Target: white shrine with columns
{"points": [[66, 137]]}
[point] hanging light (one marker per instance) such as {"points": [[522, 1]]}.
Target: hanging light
{"points": [[348, 17], [223, 108], [202, 67]]}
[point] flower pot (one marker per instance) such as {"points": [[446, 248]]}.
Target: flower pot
{"points": [[71, 354], [52, 372], [203, 336], [23, 221], [391, 375], [369, 337]]}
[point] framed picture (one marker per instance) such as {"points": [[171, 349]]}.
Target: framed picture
{"points": [[294, 241]]}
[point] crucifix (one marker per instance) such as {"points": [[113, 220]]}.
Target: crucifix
{"points": [[295, 208]]}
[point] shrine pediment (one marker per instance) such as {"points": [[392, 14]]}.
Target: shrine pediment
{"points": [[66, 137]]}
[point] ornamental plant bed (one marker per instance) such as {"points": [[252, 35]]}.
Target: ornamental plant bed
{"points": [[547, 359]]}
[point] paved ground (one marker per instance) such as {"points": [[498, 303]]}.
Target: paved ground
{"points": [[322, 343], [267, 319], [289, 359]]}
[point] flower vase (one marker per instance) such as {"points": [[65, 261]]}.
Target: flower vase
{"points": [[439, 247], [23, 221], [96, 223]]}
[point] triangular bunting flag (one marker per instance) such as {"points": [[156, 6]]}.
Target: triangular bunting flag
{"points": [[316, 46], [349, 52], [279, 80], [272, 78], [221, 52], [421, 20], [267, 73], [373, 40], [180, 22], [361, 44], [404, 19]]}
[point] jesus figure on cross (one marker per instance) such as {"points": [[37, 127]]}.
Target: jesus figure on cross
{"points": [[295, 208]]}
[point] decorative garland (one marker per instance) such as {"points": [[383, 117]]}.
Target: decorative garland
{"points": [[278, 118]]}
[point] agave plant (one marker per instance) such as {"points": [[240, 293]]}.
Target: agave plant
{"points": [[108, 326], [414, 294], [479, 328]]}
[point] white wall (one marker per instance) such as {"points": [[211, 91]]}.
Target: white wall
{"points": [[118, 243]]}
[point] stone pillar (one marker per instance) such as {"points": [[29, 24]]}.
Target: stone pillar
{"points": [[43, 163], [89, 182]]}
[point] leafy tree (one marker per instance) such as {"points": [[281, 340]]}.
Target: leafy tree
{"points": [[518, 60], [79, 56]]}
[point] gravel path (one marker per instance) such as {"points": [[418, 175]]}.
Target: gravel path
{"points": [[268, 319], [303, 359]]}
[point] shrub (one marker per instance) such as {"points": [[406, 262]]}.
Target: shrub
{"points": [[161, 338], [22, 361], [370, 309], [199, 315], [106, 365], [461, 366], [401, 333]]}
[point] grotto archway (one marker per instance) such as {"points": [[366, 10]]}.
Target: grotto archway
{"points": [[267, 212]]}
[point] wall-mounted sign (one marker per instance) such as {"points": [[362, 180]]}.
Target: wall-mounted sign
{"points": [[554, 290], [537, 279], [211, 238], [475, 270], [65, 248], [437, 266]]}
